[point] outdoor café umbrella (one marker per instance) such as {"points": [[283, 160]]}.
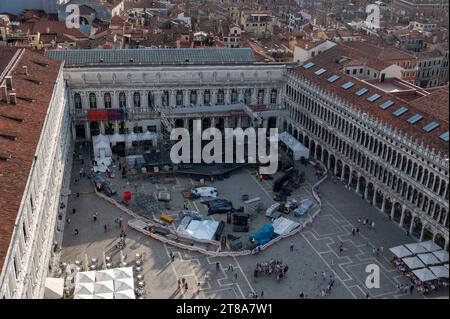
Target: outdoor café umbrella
{"points": [[85, 277], [84, 290], [106, 295], [400, 251], [430, 245], [424, 274], [103, 287], [123, 272], [428, 259], [413, 262], [104, 275], [123, 284], [439, 271], [416, 248], [442, 255], [125, 294]]}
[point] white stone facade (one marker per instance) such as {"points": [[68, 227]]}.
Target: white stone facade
{"points": [[27, 260]]}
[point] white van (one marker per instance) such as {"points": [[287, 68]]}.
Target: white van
{"points": [[204, 192]]}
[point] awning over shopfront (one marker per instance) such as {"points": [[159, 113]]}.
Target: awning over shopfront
{"points": [[400, 251]]}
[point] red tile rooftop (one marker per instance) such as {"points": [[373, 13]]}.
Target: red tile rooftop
{"points": [[431, 111], [14, 172]]}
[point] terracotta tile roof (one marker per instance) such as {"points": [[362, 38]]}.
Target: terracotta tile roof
{"points": [[434, 106], [382, 53], [14, 172]]}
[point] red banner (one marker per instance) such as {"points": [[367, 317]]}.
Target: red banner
{"points": [[97, 115]]}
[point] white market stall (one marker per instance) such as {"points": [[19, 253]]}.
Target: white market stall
{"points": [[442, 255], [198, 229], [54, 288], [400, 251], [424, 274], [283, 226], [102, 152], [440, 271], [115, 283], [430, 245], [298, 149], [428, 259], [416, 248], [413, 262]]}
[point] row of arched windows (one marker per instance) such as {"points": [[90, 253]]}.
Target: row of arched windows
{"points": [[194, 98], [376, 146]]}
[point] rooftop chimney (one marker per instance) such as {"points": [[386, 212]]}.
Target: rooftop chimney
{"points": [[8, 80], [3, 93], [12, 98], [25, 69]]}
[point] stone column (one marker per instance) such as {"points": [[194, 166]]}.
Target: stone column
{"points": [[254, 96], [213, 122], [172, 98], [226, 122], [383, 205], [335, 168], [200, 97], [116, 127], [100, 100], [144, 99], [446, 244], [115, 100], [227, 98], [267, 96], [102, 128], [130, 103], [213, 97], [240, 95], [87, 130], [412, 225], [422, 232], [358, 185], [186, 98], [403, 216], [239, 121], [374, 195], [392, 210]]}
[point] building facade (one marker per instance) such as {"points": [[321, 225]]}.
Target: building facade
{"points": [[396, 173], [34, 159]]}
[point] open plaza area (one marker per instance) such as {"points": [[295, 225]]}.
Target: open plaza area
{"points": [[322, 252]]}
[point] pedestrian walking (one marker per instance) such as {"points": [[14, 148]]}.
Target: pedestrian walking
{"points": [[341, 249], [198, 288], [217, 266], [74, 211], [75, 231], [381, 249], [262, 294], [359, 220], [323, 275], [171, 255], [374, 251], [105, 227], [378, 252], [357, 230], [255, 274], [292, 246], [411, 288], [315, 275], [235, 276], [94, 216], [323, 292], [186, 286], [373, 225], [353, 231], [68, 221], [179, 283], [302, 295]]}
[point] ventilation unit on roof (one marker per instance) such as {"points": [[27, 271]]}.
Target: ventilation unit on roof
{"points": [[9, 83], [12, 98], [45, 65], [25, 69], [4, 157], [4, 94], [8, 137], [37, 82]]}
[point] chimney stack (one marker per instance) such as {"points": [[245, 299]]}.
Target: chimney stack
{"points": [[12, 98], [8, 80], [25, 69], [4, 93]]}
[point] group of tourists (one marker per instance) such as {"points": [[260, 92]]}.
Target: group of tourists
{"points": [[271, 267]]}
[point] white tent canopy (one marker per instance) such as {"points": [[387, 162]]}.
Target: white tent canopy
{"points": [[116, 138], [424, 274], [125, 294], [416, 248], [440, 271], [413, 262], [83, 290], [428, 259], [85, 277], [103, 287], [124, 272], [400, 251], [123, 284], [109, 284], [104, 275], [430, 245], [442, 255], [283, 226], [101, 146], [54, 288], [297, 148]]}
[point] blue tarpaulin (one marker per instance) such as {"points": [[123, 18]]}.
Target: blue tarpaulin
{"points": [[264, 235]]}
